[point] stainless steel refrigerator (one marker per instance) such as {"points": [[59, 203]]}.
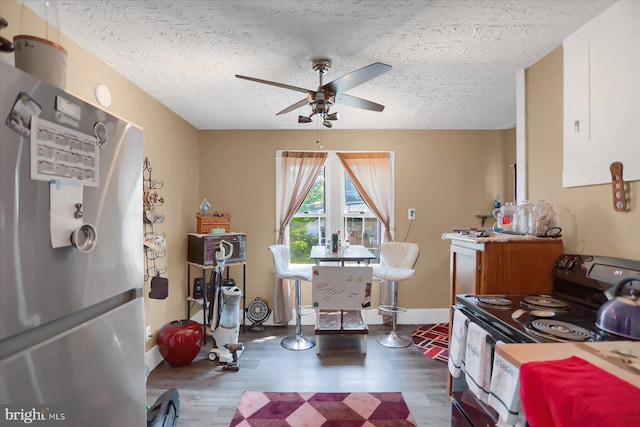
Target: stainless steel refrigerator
{"points": [[71, 260]]}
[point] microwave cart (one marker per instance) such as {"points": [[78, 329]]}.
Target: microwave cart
{"points": [[201, 250]]}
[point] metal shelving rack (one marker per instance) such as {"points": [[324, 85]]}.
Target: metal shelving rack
{"points": [[204, 302], [152, 255]]}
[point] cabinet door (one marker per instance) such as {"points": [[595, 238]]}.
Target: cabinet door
{"points": [[519, 267], [464, 271], [601, 93]]}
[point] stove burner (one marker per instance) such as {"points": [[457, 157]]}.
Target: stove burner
{"points": [[558, 331], [495, 302], [544, 301]]}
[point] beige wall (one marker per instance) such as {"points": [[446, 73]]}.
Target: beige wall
{"points": [[590, 225], [447, 176], [171, 145]]}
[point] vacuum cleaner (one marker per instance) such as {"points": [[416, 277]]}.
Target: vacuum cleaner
{"points": [[227, 323], [164, 411]]}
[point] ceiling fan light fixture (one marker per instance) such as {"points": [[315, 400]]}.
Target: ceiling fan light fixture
{"points": [[322, 99]]}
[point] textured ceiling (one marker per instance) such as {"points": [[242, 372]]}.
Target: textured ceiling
{"points": [[454, 62]]}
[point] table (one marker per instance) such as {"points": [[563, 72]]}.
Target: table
{"points": [[341, 321], [352, 253]]}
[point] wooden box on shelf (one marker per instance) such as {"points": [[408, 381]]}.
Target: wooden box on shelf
{"points": [[207, 221]]}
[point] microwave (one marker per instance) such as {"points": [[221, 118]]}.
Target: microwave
{"points": [[202, 248]]}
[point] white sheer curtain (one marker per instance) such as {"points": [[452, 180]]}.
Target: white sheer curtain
{"points": [[371, 175], [299, 172]]}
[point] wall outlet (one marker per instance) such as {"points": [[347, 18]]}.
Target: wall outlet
{"points": [[412, 213], [147, 333]]}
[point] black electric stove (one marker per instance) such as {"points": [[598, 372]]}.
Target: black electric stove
{"points": [[536, 318], [568, 314]]}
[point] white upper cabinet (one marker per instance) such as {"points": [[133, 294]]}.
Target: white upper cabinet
{"points": [[602, 97]]}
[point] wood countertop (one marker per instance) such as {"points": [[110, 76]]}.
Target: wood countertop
{"points": [[497, 238], [600, 354]]}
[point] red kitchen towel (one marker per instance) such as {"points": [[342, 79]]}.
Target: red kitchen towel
{"points": [[573, 392]]}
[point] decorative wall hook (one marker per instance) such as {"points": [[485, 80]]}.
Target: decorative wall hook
{"points": [[617, 187]]}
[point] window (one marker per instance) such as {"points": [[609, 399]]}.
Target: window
{"points": [[308, 227], [362, 227], [333, 203]]}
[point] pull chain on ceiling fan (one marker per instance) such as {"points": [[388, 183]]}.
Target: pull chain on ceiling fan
{"points": [[331, 93]]}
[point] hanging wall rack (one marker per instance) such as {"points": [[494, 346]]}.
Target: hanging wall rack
{"points": [[154, 243]]}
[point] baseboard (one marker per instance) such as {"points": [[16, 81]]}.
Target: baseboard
{"points": [[414, 316], [152, 358]]}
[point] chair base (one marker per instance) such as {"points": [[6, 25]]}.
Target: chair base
{"points": [[394, 340], [297, 342]]}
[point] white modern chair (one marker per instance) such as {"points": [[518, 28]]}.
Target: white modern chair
{"points": [[283, 270], [397, 262]]}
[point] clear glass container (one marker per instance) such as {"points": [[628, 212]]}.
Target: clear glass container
{"points": [[509, 218], [543, 218], [524, 211]]}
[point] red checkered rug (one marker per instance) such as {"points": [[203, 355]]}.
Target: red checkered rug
{"points": [[322, 410], [433, 341]]}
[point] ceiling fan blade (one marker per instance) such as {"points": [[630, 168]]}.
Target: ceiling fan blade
{"points": [[295, 106], [267, 82], [355, 78], [354, 101]]}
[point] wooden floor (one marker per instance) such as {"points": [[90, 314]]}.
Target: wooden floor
{"points": [[209, 397]]}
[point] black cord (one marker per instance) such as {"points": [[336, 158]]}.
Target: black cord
{"points": [[408, 230]]}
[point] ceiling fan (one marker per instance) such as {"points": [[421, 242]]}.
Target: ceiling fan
{"points": [[331, 93]]}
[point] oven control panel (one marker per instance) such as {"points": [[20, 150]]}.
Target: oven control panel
{"points": [[568, 262], [594, 271]]}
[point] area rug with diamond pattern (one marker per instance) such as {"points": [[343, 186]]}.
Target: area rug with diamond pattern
{"points": [[433, 341], [284, 409]]}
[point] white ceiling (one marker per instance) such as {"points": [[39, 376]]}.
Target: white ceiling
{"points": [[454, 62]]}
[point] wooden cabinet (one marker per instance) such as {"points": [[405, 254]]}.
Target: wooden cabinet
{"points": [[516, 265], [502, 265], [207, 221]]}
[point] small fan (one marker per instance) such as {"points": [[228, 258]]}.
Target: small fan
{"points": [[258, 312]]}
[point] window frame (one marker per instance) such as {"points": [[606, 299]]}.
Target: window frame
{"points": [[335, 201]]}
